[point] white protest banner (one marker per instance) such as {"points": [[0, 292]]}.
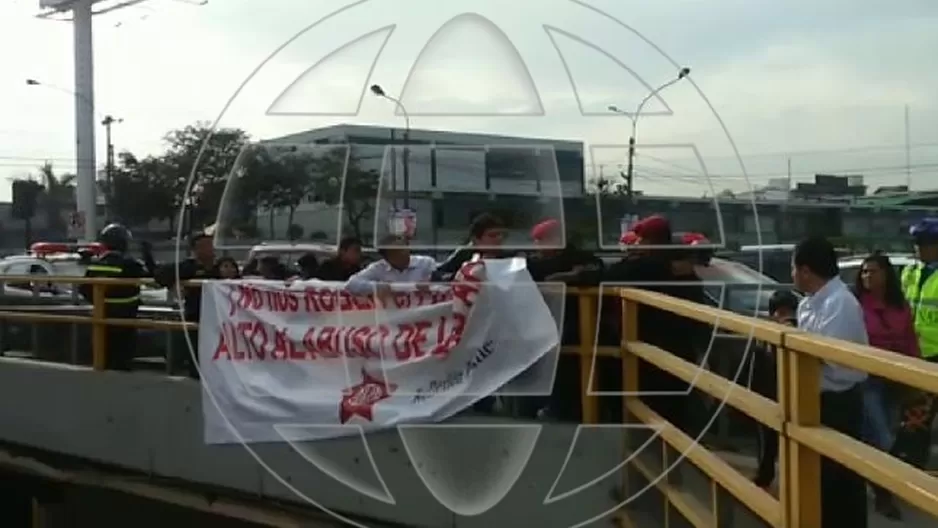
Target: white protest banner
{"points": [[311, 357]]}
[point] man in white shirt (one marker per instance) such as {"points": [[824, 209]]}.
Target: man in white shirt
{"points": [[830, 309], [396, 266]]}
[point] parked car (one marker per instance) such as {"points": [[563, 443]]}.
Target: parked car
{"points": [[51, 262], [775, 259], [288, 254], [730, 285]]}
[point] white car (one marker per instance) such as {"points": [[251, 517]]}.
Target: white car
{"points": [[55, 265], [730, 285], [850, 266]]}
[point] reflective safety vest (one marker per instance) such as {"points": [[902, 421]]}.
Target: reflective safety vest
{"points": [[923, 299]]}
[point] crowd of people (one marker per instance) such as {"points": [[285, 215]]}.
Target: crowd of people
{"points": [[883, 309], [889, 310]]}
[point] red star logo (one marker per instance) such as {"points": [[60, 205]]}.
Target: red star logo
{"points": [[360, 399]]}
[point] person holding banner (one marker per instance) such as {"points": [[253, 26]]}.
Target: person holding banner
{"points": [[486, 235], [397, 265], [341, 267]]}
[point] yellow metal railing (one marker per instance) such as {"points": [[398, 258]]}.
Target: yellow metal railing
{"points": [[97, 319], [795, 416]]}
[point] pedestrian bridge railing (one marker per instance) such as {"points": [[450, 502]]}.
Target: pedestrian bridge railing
{"points": [[795, 416]]}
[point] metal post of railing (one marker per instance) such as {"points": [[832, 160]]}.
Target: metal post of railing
{"points": [[588, 316], [784, 402], [98, 327], [170, 352], [803, 493], [629, 388]]}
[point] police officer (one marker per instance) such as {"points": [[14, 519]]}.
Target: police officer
{"points": [[121, 302], [920, 287]]}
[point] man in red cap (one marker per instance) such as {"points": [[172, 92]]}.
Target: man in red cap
{"points": [[555, 262], [653, 231], [559, 262], [661, 270]]}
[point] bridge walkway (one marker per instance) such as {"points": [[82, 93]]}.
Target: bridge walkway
{"points": [[711, 488]]}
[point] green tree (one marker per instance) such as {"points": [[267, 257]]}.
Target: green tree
{"points": [[144, 190], [340, 180], [221, 151], [249, 188], [57, 198]]}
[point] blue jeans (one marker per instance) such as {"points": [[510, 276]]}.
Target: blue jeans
{"points": [[880, 414]]}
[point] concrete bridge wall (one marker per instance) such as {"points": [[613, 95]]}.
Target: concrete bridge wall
{"points": [[153, 424]]}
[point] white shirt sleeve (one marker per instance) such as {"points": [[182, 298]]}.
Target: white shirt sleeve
{"points": [[842, 320], [365, 281], [424, 267]]}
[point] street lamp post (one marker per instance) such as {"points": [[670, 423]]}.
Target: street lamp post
{"points": [[378, 91], [109, 170], [629, 178], [107, 121]]}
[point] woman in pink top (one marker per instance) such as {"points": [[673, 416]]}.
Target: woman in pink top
{"points": [[888, 321]]}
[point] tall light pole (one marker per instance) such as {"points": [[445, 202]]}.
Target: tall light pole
{"points": [[629, 178], [378, 91], [84, 133], [109, 171]]}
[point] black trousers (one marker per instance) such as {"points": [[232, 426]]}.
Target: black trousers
{"points": [[765, 383], [843, 492], [184, 360], [121, 347], [913, 438], [121, 340]]}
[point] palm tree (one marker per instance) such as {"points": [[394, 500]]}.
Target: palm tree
{"points": [[58, 198]]}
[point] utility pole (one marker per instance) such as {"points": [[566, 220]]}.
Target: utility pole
{"points": [[628, 172], [84, 118], [788, 190], [908, 151], [377, 90], [633, 117], [109, 170]]}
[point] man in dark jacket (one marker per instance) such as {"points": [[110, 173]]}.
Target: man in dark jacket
{"points": [[486, 235], [661, 270], [201, 265], [555, 262], [120, 302], [346, 263]]}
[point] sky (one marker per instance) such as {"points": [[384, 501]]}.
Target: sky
{"points": [[823, 86]]}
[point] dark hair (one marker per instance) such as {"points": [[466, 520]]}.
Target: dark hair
{"points": [[308, 261], [783, 299], [389, 242], [894, 294], [483, 223], [230, 260], [195, 237], [349, 242], [818, 255]]}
